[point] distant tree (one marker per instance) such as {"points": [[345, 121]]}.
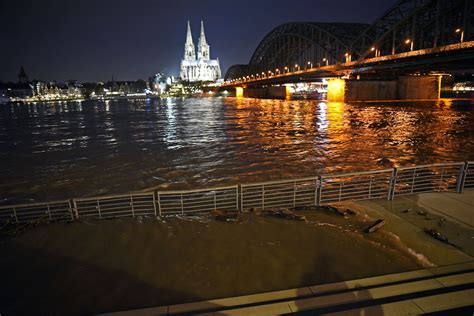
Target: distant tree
{"points": [[140, 85], [99, 89]]}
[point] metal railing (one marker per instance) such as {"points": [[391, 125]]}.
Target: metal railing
{"points": [[198, 201], [116, 206], [51, 211], [469, 176], [355, 186], [311, 191], [428, 178], [289, 193]]}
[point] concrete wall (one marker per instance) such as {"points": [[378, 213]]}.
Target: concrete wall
{"points": [[418, 87], [403, 88], [269, 92], [358, 90]]}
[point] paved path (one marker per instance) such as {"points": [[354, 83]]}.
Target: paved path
{"points": [[415, 292], [448, 286]]}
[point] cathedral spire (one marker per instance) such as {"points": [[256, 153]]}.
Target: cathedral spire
{"points": [[202, 38], [203, 48], [189, 50], [189, 36]]}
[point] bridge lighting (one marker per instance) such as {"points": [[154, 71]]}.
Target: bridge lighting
{"points": [[409, 41], [348, 57], [277, 71], [461, 31], [374, 49], [297, 67], [286, 69], [326, 61]]}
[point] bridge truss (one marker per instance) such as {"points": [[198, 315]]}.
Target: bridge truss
{"points": [[408, 25]]}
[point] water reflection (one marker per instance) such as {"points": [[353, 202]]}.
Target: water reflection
{"points": [[64, 150]]}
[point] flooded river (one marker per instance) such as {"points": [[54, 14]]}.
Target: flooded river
{"points": [[78, 149]]}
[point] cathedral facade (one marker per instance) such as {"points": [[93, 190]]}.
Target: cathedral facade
{"points": [[200, 67]]}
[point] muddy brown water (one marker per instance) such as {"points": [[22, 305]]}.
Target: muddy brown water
{"points": [[111, 265], [77, 149]]}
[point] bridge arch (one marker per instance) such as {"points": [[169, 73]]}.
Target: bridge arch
{"points": [[305, 44]]}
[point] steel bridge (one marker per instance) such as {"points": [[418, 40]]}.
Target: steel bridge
{"points": [[414, 36]]}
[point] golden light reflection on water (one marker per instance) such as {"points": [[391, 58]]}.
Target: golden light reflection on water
{"points": [[120, 146]]}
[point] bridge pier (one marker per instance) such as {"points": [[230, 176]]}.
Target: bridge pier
{"points": [[401, 88], [280, 92]]}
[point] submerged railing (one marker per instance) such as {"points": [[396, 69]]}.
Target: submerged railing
{"points": [[311, 191]]}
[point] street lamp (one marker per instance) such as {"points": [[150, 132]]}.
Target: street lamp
{"points": [[409, 41], [460, 31], [325, 60], [310, 65], [286, 69], [348, 57], [297, 67], [277, 71], [374, 49]]}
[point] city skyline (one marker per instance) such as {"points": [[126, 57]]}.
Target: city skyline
{"points": [[100, 41]]}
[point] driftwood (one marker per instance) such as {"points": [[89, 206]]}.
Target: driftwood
{"points": [[226, 216], [438, 236], [375, 226], [333, 209], [284, 213]]}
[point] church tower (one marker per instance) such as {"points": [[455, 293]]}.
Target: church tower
{"points": [[203, 48], [189, 50], [22, 76]]}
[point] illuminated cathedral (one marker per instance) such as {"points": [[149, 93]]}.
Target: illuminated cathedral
{"points": [[200, 67]]}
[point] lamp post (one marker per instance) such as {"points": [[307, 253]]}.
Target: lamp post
{"points": [[409, 41], [461, 32], [297, 67], [348, 57], [286, 69], [326, 61]]}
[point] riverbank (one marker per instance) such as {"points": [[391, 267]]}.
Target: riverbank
{"points": [[110, 265]]}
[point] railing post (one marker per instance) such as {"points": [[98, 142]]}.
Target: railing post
{"points": [[14, 214], [294, 193], [215, 202], [462, 177], [319, 190], [49, 212], [76, 211], [263, 197], [182, 205], [340, 190], [392, 185], [238, 197], [156, 200], [413, 181], [131, 204], [441, 179], [370, 186], [98, 209], [71, 210]]}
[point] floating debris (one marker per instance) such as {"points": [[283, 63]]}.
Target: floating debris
{"points": [[284, 213], [226, 216], [375, 226], [421, 213], [438, 236], [333, 209], [408, 210], [351, 212]]}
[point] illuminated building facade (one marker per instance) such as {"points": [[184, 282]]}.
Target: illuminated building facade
{"points": [[201, 68]]}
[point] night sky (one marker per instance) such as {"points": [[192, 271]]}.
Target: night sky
{"points": [[97, 40]]}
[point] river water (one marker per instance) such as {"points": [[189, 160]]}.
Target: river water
{"points": [[79, 149]]}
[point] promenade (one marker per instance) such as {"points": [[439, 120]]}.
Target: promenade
{"points": [[447, 283]]}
